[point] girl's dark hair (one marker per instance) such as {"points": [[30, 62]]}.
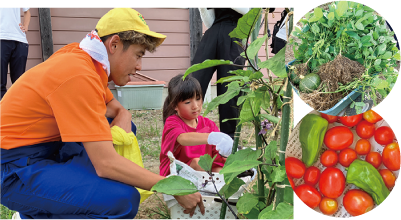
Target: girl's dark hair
{"points": [[178, 91]]}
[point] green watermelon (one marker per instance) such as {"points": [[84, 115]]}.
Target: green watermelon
{"points": [[309, 83]]}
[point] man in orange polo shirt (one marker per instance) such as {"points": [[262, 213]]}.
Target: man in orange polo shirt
{"points": [[57, 155]]}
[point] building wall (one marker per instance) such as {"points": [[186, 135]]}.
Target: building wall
{"points": [[171, 58]]}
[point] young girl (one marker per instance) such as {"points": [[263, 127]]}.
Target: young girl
{"points": [[186, 133]]}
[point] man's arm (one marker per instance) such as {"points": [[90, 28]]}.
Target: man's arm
{"points": [[122, 117], [27, 19]]}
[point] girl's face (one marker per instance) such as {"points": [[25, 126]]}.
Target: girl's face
{"points": [[189, 109]]}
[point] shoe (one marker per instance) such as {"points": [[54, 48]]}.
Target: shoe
{"points": [[16, 216]]}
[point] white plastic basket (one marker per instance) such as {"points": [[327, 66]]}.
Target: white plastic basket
{"points": [[212, 210]]}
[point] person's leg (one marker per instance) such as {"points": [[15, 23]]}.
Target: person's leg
{"points": [[18, 60], [194, 165], [67, 187], [228, 50], [206, 50], [6, 51]]}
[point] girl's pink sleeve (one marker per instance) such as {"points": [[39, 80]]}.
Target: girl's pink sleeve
{"points": [[172, 129]]}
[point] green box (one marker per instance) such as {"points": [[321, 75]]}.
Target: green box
{"points": [[140, 97]]}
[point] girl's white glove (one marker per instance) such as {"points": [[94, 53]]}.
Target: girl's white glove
{"points": [[223, 142]]}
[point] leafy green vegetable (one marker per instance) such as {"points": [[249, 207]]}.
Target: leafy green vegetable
{"points": [[356, 32]]}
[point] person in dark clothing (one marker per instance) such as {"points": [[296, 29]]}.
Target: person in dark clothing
{"points": [[217, 44]]}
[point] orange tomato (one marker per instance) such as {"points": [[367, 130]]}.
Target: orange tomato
{"points": [[362, 147], [371, 116], [388, 177], [328, 206]]}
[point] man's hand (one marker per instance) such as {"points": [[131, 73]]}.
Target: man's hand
{"points": [[23, 28], [189, 203]]}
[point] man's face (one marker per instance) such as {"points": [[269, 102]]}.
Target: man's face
{"points": [[125, 63]]}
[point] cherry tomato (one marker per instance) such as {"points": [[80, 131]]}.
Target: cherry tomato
{"points": [[309, 195], [371, 116], [338, 138], [374, 158], [312, 175], [388, 177], [384, 135], [328, 206], [362, 147], [365, 129], [291, 183], [391, 156], [329, 158], [347, 156], [357, 202], [329, 118], [294, 167], [332, 182], [350, 121]]}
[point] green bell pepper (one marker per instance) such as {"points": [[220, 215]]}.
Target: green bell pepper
{"points": [[311, 135], [366, 177]]}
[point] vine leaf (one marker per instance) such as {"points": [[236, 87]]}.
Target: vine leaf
{"points": [[342, 7], [317, 15]]}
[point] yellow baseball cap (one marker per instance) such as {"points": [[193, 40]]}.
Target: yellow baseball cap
{"points": [[125, 19]]}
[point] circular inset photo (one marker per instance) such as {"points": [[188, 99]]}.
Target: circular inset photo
{"points": [[342, 58], [342, 166]]}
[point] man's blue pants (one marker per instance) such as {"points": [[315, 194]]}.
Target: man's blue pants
{"points": [[58, 180]]}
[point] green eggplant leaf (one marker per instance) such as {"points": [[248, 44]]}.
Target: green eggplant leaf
{"points": [[276, 64], [175, 185], [229, 189], [245, 24], [282, 211], [232, 91], [239, 166], [246, 203], [206, 162], [255, 46], [205, 64]]}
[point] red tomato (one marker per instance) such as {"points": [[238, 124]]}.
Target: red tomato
{"points": [[350, 121], [329, 118], [374, 158], [338, 138], [312, 175], [384, 135], [371, 116], [309, 195], [294, 167], [332, 182], [391, 156], [329, 158], [328, 206], [365, 129], [362, 147], [357, 202], [347, 156], [388, 177], [291, 183]]}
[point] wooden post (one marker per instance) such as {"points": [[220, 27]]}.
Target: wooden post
{"points": [[195, 31], [45, 32]]}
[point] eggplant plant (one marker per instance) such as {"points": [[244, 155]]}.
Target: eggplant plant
{"points": [[264, 102]]}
